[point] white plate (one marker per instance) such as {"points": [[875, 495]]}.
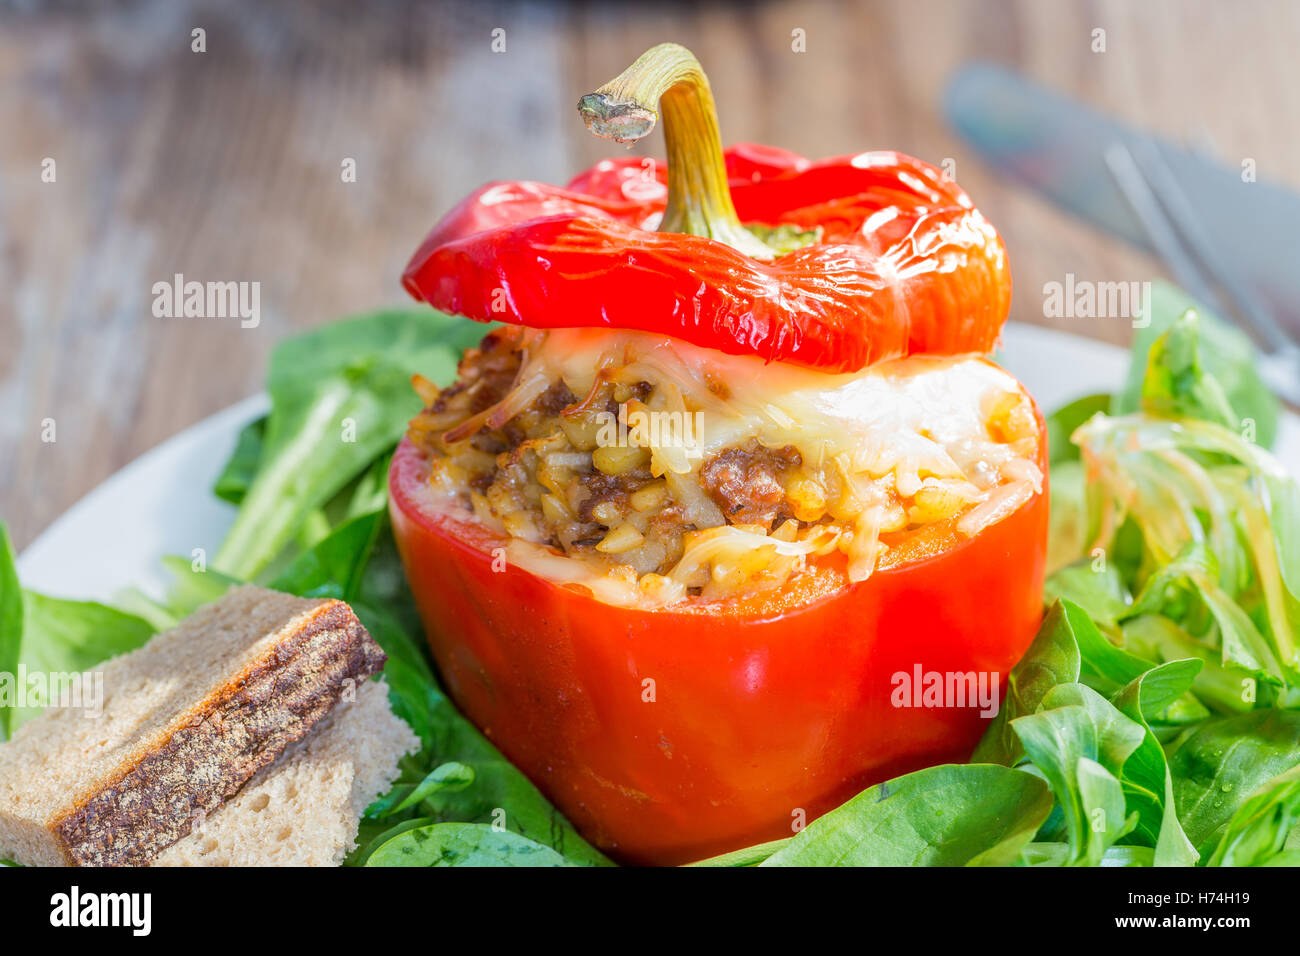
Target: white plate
{"points": [[162, 503]]}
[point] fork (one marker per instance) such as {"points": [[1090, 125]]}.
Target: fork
{"points": [[1189, 251]]}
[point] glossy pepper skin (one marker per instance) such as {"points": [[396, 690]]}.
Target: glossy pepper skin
{"points": [[759, 712], [904, 262], [674, 734]]}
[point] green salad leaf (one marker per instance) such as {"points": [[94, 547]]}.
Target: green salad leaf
{"points": [[1052, 659], [1223, 353], [1219, 524], [237, 477], [11, 620], [463, 844], [448, 776], [1058, 854], [951, 815], [1223, 761], [1063, 422], [746, 856], [1145, 776], [1080, 742], [44, 638], [340, 397], [1176, 385], [1258, 831]]}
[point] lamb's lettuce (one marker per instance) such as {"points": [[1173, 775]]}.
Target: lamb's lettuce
{"points": [[1220, 526], [1222, 353], [1189, 570], [1257, 833], [1079, 742], [1063, 422], [950, 815], [1223, 762], [1145, 776]]}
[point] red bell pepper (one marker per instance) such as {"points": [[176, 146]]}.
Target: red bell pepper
{"points": [[671, 734], [766, 711], [902, 261]]}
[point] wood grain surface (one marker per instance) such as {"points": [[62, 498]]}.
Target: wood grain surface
{"points": [[225, 165]]}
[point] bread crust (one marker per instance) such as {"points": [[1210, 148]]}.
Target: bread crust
{"points": [[186, 770]]}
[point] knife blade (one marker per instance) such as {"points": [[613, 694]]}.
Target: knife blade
{"points": [[1057, 147]]}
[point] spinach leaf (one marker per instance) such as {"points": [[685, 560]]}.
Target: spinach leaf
{"points": [[374, 833], [501, 794], [1224, 761], [950, 815], [351, 564], [463, 844], [240, 470], [340, 397], [335, 565], [68, 637], [447, 776]]}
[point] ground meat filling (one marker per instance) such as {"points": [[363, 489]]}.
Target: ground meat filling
{"points": [[745, 483]]}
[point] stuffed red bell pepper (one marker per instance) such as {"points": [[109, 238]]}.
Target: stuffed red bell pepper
{"points": [[734, 464]]}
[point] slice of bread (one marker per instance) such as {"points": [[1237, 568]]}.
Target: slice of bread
{"points": [[304, 809], [186, 720]]}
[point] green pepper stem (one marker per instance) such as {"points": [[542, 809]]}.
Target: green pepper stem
{"points": [[668, 78]]}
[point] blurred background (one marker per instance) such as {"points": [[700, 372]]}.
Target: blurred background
{"points": [[226, 164]]}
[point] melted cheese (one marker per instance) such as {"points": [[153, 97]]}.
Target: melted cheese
{"points": [[896, 432], [913, 416]]}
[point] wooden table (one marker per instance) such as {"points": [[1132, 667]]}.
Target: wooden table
{"points": [[226, 164]]}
